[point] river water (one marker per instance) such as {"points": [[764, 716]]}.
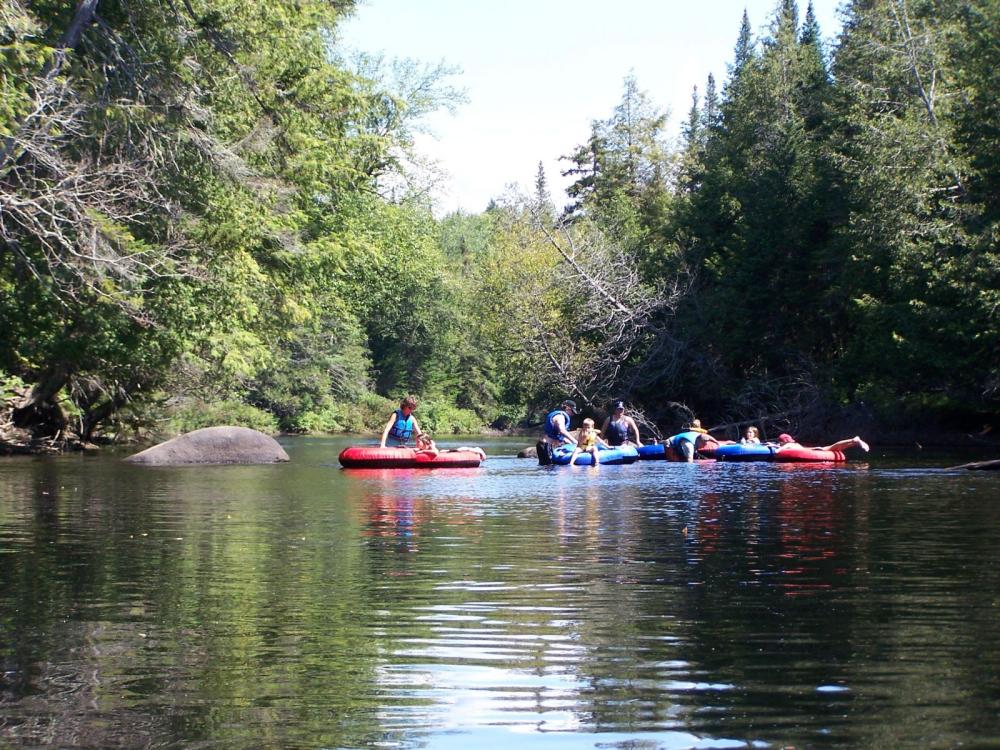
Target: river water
{"points": [[631, 607]]}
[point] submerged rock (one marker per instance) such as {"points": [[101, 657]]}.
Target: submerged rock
{"points": [[214, 445]]}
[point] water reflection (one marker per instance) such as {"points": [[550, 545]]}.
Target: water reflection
{"points": [[661, 606]]}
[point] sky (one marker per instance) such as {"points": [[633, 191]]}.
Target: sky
{"points": [[538, 72]]}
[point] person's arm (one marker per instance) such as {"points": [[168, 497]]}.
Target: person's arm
{"points": [[635, 431], [416, 427], [385, 432], [564, 428], [604, 427]]}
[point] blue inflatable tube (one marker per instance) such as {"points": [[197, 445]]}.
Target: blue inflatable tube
{"points": [[745, 453], [624, 454], [656, 452]]}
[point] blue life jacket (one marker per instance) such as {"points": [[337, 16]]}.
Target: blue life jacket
{"points": [[402, 429], [551, 430], [617, 432]]}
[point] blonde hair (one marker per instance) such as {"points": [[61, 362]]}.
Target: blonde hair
{"points": [[588, 422]]}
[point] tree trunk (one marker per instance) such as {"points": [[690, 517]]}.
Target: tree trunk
{"points": [[981, 465], [40, 411]]}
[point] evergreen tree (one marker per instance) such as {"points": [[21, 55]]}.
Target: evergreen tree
{"points": [[758, 223], [621, 170], [543, 208], [744, 52], [691, 131], [921, 276], [710, 116]]}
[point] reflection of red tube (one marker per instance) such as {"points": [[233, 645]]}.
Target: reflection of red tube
{"points": [[795, 538], [708, 523], [393, 517], [402, 517], [810, 531]]}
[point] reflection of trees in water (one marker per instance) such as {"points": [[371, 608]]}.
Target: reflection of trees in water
{"points": [[769, 561], [619, 617], [145, 608]]}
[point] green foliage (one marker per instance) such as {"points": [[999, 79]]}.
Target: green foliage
{"points": [[10, 385], [195, 414], [245, 233], [923, 271], [625, 159], [441, 418]]}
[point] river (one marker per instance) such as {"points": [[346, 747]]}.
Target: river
{"points": [[645, 607]]}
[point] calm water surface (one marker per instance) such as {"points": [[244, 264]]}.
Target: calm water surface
{"points": [[638, 607]]}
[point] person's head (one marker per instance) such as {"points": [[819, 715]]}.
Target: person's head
{"points": [[588, 424], [695, 424], [784, 438], [751, 432], [569, 405], [424, 440], [408, 404], [618, 408]]}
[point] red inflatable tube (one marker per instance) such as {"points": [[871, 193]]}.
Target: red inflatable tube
{"points": [[792, 455], [374, 457]]}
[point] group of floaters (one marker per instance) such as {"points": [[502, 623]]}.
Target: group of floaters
{"points": [[621, 443], [617, 442]]}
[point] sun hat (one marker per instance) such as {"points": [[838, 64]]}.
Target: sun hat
{"points": [[569, 402]]}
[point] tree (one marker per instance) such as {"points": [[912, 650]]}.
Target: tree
{"points": [[922, 279], [624, 156], [756, 217], [166, 172]]}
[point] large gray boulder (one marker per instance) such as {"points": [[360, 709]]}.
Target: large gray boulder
{"points": [[214, 445]]}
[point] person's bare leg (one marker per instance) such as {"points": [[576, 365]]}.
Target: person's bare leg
{"points": [[687, 450], [843, 445]]}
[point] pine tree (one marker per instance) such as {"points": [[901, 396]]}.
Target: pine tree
{"points": [[758, 222], [710, 116], [922, 278]]}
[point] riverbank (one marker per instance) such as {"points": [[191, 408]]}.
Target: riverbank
{"points": [[20, 441]]}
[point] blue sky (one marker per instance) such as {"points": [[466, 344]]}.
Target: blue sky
{"points": [[537, 72]]}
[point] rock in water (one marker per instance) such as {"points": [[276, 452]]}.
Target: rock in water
{"points": [[214, 445]]}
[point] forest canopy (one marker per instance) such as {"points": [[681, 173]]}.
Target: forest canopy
{"points": [[208, 214]]}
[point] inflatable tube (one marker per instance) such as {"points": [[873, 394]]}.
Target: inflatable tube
{"points": [[656, 452], [737, 452], [663, 452], [622, 454], [795, 455], [770, 453], [374, 457]]}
